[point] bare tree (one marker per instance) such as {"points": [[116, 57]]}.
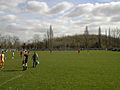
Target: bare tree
{"points": [[50, 37], [99, 37], [36, 40], [86, 37], [106, 39], [115, 37], [45, 41], [16, 42], [109, 38], [7, 41]]}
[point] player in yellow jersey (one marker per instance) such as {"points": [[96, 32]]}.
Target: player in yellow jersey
{"points": [[2, 59]]}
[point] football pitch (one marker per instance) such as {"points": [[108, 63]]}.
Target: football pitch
{"points": [[63, 70]]}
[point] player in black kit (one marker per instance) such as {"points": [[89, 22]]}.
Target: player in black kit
{"points": [[25, 60]]}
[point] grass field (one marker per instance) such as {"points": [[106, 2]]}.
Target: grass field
{"points": [[63, 70]]}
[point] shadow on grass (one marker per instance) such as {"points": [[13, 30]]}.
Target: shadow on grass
{"points": [[27, 66], [14, 70], [11, 70]]}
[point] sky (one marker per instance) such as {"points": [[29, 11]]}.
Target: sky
{"points": [[27, 18]]}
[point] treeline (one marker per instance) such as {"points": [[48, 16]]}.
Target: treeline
{"points": [[9, 42], [110, 39], [78, 41]]}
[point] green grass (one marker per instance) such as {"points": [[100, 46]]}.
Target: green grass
{"points": [[94, 70]]}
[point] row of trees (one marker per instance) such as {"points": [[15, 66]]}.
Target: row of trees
{"points": [[110, 39], [7, 41]]}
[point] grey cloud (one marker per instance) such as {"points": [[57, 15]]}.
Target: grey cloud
{"points": [[10, 4], [37, 7], [103, 10], [80, 10], [8, 18], [108, 9], [60, 8], [43, 9], [115, 19]]}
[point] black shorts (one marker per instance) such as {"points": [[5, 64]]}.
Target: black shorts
{"points": [[34, 60], [25, 61]]}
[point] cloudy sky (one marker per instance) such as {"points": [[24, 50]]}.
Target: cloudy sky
{"points": [[25, 18]]}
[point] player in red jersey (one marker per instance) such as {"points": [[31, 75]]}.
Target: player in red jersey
{"points": [[78, 51], [28, 52], [21, 53]]}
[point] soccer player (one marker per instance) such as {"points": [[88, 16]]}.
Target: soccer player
{"points": [[2, 59], [35, 58], [21, 53], [50, 51], [13, 54], [25, 60], [78, 51], [28, 52]]}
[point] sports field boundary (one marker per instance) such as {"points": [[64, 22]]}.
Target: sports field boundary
{"points": [[11, 79]]}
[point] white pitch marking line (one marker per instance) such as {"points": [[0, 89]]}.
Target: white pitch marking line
{"points": [[11, 79]]}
